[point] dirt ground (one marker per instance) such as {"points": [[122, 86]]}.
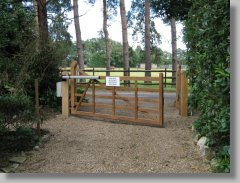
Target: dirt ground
{"points": [[80, 145]]}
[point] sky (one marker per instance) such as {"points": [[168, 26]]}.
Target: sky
{"points": [[92, 20]]}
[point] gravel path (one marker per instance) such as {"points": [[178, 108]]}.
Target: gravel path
{"points": [[80, 145]]}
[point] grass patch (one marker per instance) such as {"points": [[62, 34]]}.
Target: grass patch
{"points": [[168, 88], [133, 74]]}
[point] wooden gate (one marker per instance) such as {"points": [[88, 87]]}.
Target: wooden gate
{"points": [[132, 103], [182, 92]]}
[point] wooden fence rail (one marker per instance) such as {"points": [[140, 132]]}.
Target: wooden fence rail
{"points": [[95, 71], [97, 91], [113, 102]]}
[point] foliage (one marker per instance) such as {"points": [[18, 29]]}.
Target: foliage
{"points": [[171, 8], [50, 100], [94, 54], [43, 66], [116, 58], [19, 140], [136, 56], [181, 56], [156, 55], [26, 135], [21, 62], [136, 20], [207, 34], [15, 110], [166, 58], [222, 160], [16, 32]]}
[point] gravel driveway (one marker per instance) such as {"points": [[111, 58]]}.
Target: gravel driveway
{"points": [[80, 145]]}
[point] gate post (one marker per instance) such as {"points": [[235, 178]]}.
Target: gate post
{"points": [[72, 85], [65, 98], [178, 84], [161, 100], [183, 108]]}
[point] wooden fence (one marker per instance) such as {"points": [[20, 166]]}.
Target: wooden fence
{"points": [[110, 101], [165, 71]]}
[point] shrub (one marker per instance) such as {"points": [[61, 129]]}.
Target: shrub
{"points": [[15, 110], [207, 34], [20, 140]]}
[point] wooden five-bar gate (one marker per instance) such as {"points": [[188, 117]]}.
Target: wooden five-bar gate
{"points": [[131, 104]]}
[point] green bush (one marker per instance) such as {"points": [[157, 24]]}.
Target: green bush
{"points": [[15, 110], [207, 34], [19, 140], [26, 135], [80, 90], [49, 99]]}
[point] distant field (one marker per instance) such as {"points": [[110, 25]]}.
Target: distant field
{"points": [[136, 74], [120, 73]]}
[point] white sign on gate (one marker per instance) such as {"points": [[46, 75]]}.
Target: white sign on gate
{"points": [[112, 81]]}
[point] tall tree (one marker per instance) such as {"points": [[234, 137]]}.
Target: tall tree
{"points": [[35, 4], [136, 20], [106, 36], [147, 38], [172, 11], [124, 37], [174, 44], [80, 58], [21, 23], [139, 19], [42, 22]]}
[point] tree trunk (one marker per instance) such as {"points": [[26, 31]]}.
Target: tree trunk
{"points": [[106, 36], [174, 47], [35, 4], [147, 39], [80, 59], [42, 22], [124, 37]]}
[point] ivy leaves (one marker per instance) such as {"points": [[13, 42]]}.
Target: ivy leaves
{"points": [[207, 35]]}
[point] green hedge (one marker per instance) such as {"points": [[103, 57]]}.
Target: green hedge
{"points": [[207, 34]]}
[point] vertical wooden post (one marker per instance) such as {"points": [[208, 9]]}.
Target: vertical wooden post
{"points": [[93, 71], [113, 101], [93, 97], [184, 95], [161, 100], [165, 77], [136, 99], [37, 109], [129, 82], [65, 98], [72, 85], [178, 84]]}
